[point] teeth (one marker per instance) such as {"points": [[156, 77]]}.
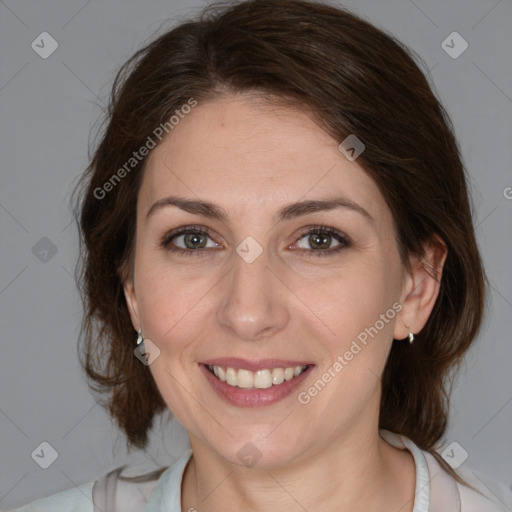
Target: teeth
{"points": [[288, 373], [261, 379], [231, 377], [277, 376], [245, 379]]}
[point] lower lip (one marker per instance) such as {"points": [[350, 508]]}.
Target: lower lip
{"points": [[243, 397]]}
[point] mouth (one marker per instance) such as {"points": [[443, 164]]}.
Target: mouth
{"points": [[246, 384], [260, 379]]}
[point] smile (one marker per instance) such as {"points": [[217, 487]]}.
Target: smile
{"points": [[244, 383], [260, 379]]}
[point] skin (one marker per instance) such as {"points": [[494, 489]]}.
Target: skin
{"points": [[251, 159]]}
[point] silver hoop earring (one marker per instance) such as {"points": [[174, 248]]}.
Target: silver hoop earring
{"points": [[140, 338]]}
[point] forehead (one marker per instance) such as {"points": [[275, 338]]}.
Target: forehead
{"points": [[241, 153]]}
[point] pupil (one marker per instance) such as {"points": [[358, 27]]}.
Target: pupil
{"points": [[319, 241]]}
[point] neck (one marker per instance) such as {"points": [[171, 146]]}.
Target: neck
{"points": [[358, 471]]}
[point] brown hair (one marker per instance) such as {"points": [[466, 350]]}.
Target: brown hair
{"points": [[353, 79]]}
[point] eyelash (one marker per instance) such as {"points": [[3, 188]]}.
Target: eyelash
{"points": [[343, 240]]}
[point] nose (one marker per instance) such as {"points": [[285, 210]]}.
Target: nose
{"points": [[253, 302]]}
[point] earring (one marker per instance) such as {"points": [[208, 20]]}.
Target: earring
{"points": [[140, 338], [411, 335]]}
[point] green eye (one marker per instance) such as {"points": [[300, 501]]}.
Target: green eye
{"points": [[193, 239], [320, 238], [319, 241]]}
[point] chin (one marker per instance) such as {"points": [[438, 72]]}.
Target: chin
{"points": [[260, 452]]}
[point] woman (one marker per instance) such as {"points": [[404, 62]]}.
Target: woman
{"points": [[278, 248]]}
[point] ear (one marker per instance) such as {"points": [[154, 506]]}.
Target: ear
{"points": [[131, 301], [420, 288], [130, 297]]}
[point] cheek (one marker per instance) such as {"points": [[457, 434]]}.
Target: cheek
{"points": [[352, 298], [357, 310], [356, 306], [170, 303]]}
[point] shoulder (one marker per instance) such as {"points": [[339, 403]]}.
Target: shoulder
{"points": [[487, 495], [109, 493], [438, 491], [482, 494], [77, 499], [126, 488]]}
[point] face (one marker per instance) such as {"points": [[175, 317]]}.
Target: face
{"points": [[255, 286]]}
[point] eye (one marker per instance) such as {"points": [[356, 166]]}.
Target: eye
{"points": [[319, 241], [187, 240], [313, 241]]}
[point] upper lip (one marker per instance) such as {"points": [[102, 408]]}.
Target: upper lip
{"points": [[260, 364]]}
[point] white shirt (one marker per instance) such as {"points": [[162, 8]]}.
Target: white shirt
{"points": [[436, 490]]}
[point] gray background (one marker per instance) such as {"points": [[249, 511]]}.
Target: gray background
{"points": [[48, 107]]}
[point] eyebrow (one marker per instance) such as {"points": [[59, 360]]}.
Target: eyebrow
{"points": [[290, 211]]}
